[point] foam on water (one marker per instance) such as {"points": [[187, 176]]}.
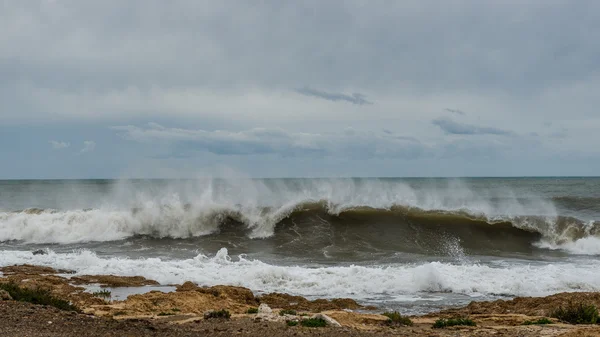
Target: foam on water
{"points": [[585, 246], [369, 283]]}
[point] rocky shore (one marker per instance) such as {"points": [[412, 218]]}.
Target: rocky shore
{"points": [[191, 310]]}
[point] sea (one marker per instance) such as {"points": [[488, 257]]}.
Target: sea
{"points": [[413, 245]]}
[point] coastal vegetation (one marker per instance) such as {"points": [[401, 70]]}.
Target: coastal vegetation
{"points": [[287, 312], [577, 313], [36, 296], [541, 321], [106, 294], [218, 314], [444, 323], [313, 323], [395, 318]]}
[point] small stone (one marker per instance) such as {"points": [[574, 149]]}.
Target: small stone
{"points": [[264, 309], [49, 322], [330, 321], [39, 252], [5, 296]]}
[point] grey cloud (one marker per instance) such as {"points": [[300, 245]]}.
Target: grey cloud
{"points": [[88, 146], [347, 143], [432, 46], [560, 134], [451, 127], [58, 145], [98, 58], [355, 98], [455, 111]]}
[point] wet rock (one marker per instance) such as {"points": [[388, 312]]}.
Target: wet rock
{"points": [[27, 269], [299, 303], [5, 296], [531, 306], [114, 281], [187, 286], [39, 252]]}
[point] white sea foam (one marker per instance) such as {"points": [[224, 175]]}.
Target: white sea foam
{"points": [[359, 282], [197, 208], [584, 246]]}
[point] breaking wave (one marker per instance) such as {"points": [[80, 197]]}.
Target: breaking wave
{"points": [[406, 224], [374, 211]]}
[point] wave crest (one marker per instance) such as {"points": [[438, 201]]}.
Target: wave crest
{"points": [[185, 220]]}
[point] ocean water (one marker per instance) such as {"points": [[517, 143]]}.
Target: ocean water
{"points": [[414, 245]]}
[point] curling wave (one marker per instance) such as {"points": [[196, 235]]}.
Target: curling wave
{"points": [[399, 227]]}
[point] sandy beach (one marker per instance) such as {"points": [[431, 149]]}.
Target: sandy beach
{"points": [[183, 312]]}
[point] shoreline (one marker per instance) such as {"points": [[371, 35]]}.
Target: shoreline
{"points": [[182, 311]]}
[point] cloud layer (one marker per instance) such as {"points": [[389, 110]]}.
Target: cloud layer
{"points": [[347, 143], [58, 145], [355, 98], [88, 146], [354, 82], [450, 126]]}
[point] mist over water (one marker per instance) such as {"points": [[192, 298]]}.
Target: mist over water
{"points": [[429, 242]]}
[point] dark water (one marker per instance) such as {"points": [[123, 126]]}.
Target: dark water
{"points": [[427, 242]]}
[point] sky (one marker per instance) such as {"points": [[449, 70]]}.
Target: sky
{"points": [[174, 89]]}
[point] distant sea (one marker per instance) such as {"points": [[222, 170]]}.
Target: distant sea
{"points": [[414, 245]]}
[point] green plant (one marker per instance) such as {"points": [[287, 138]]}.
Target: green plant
{"points": [[443, 323], [313, 322], [176, 309], [395, 318], [217, 314], [292, 323], [36, 296], [102, 294], [252, 311], [165, 314], [577, 313], [540, 321], [287, 312]]}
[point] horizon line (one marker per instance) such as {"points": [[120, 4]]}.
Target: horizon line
{"points": [[316, 177]]}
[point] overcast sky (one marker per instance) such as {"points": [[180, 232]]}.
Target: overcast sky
{"points": [[153, 88]]}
